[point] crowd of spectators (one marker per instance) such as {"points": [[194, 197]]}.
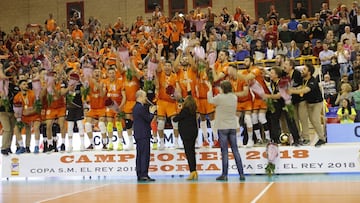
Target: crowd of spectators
{"points": [[332, 35]]}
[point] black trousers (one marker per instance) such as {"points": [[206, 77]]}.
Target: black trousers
{"points": [[142, 157], [189, 146], [275, 124]]}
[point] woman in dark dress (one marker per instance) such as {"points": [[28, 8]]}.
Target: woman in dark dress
{"points": [[188, 130]]}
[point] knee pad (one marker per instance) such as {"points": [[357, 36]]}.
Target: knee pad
{"points": [[248, 121], [88, 127], [119, 126], [254, 118], [80, 127], [110, 127], [175, 125], [102, 127], [262, 118], [128, 123], [161, 124]]}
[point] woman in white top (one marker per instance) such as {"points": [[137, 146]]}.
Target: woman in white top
{"points": [[343, 57]]}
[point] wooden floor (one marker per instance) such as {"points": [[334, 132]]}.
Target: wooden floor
{"points": [[302, 188]]}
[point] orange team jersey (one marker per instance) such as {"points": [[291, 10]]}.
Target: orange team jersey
{"points": [[77, 34], [202, 88], [131, 87], [27, 101], [50, 25], [58, 101], [164, 82], [114, 89], [238, 85], [191, 75], [221, 68], [259, 77], [96, 100]]}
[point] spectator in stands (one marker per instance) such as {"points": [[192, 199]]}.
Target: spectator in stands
{"points": [[317, 48], [293, 23], [356, 69], [353, 17], [330, 92], [356, 102], [258, 52], [348, 35], [305, 23], [343, 57], [241, 53], [306, 50], [271, 35], [346, 113], [269, 50], [280, 49], [329, 26], [225, 15], [325, 12], [272, 14], [344, 18], [210, 19], [285, 35], [345, 93], [325, 58], [317, 32], [300, 36], [330, 40], [300, 10], [223, 43], [293, 51]]}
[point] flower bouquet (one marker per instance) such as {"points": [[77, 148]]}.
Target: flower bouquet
{"points": [[272, 152], [124, 56], [36, 85], [50, 82], [284, 84], [148, 85], [85, 90], [256, 88], [151, 70], [18, 110], [199, 52], [111, 104]]}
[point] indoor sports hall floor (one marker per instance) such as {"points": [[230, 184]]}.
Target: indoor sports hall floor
{"points": [[308, 188]]}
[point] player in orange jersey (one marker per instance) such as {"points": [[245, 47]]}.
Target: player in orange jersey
{"points": [[97, 97], [244, 106], [255, 75], [26, 98], [132, 84], [116, 92], [56, 110], [168, 91]]}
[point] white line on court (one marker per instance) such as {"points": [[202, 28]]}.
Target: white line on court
{"points": [[71, 193], [262, 193]]}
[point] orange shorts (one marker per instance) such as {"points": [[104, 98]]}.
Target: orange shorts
{"points": [[43, 115], [55, 113], [31, 118], [128, 107], [259, 104], [204, 107], [96, 113], [244, 106], [165, 108], [110, 113]]}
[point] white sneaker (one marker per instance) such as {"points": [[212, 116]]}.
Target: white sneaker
{"points": [[176, 145], [82, 148], [70, 149], [131, 146]]}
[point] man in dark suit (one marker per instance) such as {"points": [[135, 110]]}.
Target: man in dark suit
{"points": [[142, 133]]}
